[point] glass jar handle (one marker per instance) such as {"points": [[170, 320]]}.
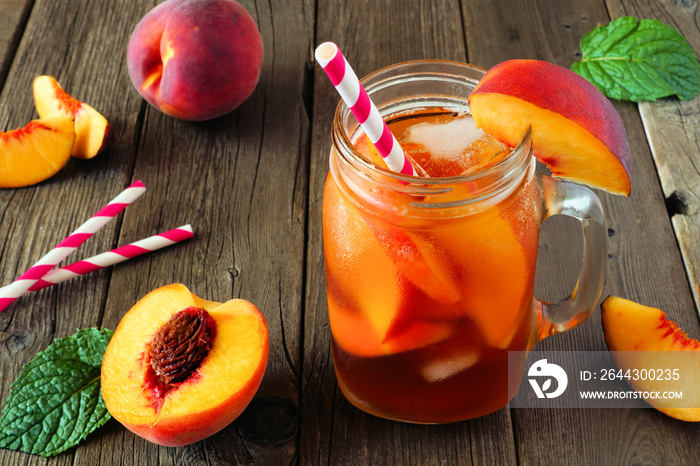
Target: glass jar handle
{"points": [[579, 202]]}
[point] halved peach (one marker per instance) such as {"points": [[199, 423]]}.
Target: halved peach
{"points": [[93, 132], [180, 368], [635, 335], [576, 131], [36, 152]]}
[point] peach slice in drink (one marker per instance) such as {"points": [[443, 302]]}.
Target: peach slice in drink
{"points": [[405, 249], [408, 253], [368, 305], [361, 336], [356, 269], [494, 277]]}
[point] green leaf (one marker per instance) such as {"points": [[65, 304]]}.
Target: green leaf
{"points": [[631, 59], [56, 402]]}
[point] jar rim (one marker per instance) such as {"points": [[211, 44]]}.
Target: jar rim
{"points": [[517, 159]]}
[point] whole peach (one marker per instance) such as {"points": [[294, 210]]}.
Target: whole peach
{"points": [[195, 59]]}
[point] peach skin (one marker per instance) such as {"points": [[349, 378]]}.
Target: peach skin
{"points": [[195, 59], [180, 368]]}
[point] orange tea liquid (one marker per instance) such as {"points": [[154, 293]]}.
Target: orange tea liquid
{"points": [[423, 310]]}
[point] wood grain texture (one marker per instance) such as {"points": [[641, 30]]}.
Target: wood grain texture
{"points": [[673, 130], [58, 40], [239, 180], [13, 18], [641, 244], [335, 432], [251, 184]]}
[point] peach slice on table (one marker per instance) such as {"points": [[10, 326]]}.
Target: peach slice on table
{"points": [[93, 132], [576, 131], [36, 152], [635, 335], [180, 368]]}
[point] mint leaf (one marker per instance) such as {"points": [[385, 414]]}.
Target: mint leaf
{"points": [[631, 59], [56, 402]]}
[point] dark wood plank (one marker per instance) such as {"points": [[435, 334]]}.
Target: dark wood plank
{"points": [[62, 39], [372, 35], [251, 184], [240, 180], [641, 244], [673, 130], [13, 18]]}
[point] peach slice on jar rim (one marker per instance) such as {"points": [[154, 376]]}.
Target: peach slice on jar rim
{"points": [[36, 152], [636, 335], [180, 368], [93, 134], [576, 131]]}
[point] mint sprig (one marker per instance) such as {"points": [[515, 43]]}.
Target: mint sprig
{"points": [[56, 402], [632, 59]]}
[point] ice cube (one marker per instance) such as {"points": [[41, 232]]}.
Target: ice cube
{"points": [[446, 140], [450, 148], [441, 369]]}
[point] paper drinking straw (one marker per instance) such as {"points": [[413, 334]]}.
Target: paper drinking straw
{"points": [[114, 256], [20, 286], [331, 59]]}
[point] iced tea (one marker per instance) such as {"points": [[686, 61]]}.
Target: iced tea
{"points": [[424, 309], [430, 279]]}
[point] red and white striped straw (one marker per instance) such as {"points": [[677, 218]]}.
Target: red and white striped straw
{"points": [[115, 256], [20, 286], [331, 59]]}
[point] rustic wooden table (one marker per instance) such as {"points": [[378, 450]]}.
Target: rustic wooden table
{"points": [[251, 182]]}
